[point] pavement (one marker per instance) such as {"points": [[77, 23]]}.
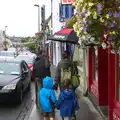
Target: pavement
{"points": [[87, 110]]}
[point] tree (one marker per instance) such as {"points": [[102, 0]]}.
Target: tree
{"points": [[5, 44], [31, 46], [39, 36], [26, 39], [71, 22]]}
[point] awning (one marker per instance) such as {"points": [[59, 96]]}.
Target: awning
{"points": [[65, 35]]}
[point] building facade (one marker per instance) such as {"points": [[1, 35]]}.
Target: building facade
{"points": [[56, 26]]}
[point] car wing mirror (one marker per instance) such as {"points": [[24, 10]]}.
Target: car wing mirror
{"points": [[25, 72]]}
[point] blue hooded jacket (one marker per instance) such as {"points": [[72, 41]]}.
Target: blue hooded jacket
{"points": [[67, 103], [47, 95]]}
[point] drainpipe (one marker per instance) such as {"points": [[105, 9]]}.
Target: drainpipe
{"points": [[51, 18], [84, 70]]}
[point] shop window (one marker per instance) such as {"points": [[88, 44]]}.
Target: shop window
{"points": [[117, 77], [66, 11], [95, 63]]}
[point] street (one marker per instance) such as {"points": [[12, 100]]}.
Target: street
{"points": [[18, 112]]}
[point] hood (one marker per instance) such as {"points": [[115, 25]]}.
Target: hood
{"points": [[7, 79], [68, 93], [48, 83]]}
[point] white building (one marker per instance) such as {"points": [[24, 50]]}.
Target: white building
{"points": [[2, 38], [56, 27]]}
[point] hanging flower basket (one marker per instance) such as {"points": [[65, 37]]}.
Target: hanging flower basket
{"points": [[98, 23]]}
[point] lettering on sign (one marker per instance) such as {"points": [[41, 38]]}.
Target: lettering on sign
{"points": [[59, 36], [115, 117], [68, 1]]}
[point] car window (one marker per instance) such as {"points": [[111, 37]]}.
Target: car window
{"points": [[7, 54], [9, 68], [24, 68], [26, 65], [26, 59]]}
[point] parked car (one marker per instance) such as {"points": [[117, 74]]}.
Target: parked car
{"points": [[29, 60], [6, 54], [15, 79], [28, 53], [12, 49]]}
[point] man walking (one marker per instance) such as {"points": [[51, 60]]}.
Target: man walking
{"points": [[65, 63], [41, 69]]}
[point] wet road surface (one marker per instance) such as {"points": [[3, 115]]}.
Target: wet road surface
{"points": [[10, 111]]}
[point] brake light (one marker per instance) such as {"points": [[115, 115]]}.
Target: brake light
{"points": [[30, 66]]}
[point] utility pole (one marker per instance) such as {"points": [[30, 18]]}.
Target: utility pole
{"points": [[36, 5], [51, 16], [38, 17], [5, 39], [43, 22]]}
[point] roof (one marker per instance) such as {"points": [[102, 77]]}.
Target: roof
{"points": [[65, 31], [11, 60], [65, 35]]}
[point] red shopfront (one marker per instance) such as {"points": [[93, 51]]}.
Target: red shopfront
{"points": [[105, 86], [114, 86], [98, 77]]}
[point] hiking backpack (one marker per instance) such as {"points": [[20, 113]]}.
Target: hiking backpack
{"points": [[70, 74], [65, 75]]}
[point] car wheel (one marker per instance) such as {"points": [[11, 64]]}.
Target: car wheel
{"points": [[20, 96]]}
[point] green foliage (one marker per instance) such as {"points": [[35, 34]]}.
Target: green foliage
{"points": [[71, 22], [26, 39], [5, 43], [39, 36], [31, 46], [97, 19]]}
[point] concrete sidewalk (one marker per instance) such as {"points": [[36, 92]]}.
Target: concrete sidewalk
{"points": [[87, 112]]}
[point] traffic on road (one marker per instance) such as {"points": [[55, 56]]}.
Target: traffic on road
{"points": [[16, 87]]}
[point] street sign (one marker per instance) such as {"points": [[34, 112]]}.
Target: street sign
{"points": [[68, 1]]}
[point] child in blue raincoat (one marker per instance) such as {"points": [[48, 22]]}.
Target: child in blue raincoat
{"points": [[67, 102], [48, 98]]}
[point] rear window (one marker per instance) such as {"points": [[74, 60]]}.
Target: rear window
{"points": [[9, 68]]}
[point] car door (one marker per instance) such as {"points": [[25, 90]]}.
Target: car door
{"points": [[29, 73], [25, 75]]}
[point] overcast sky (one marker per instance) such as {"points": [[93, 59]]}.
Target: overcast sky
{"points": [[21, 16]]}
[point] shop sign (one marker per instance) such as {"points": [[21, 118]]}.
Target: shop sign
{"points": [[115, 117], [68, 1], [59, 36]]}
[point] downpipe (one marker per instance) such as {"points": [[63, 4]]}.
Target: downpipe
{"points": [[85, 92]]}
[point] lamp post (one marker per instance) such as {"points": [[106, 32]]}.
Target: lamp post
{"points": [[5, 42], [38, 17], [5, 32]]}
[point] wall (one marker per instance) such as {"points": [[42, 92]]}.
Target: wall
{"points": [[56, 27], [2, 38]]}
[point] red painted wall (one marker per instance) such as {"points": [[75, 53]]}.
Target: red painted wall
{"points": [[102, 77], [99, 88], [90, 81], [111, 82]]}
